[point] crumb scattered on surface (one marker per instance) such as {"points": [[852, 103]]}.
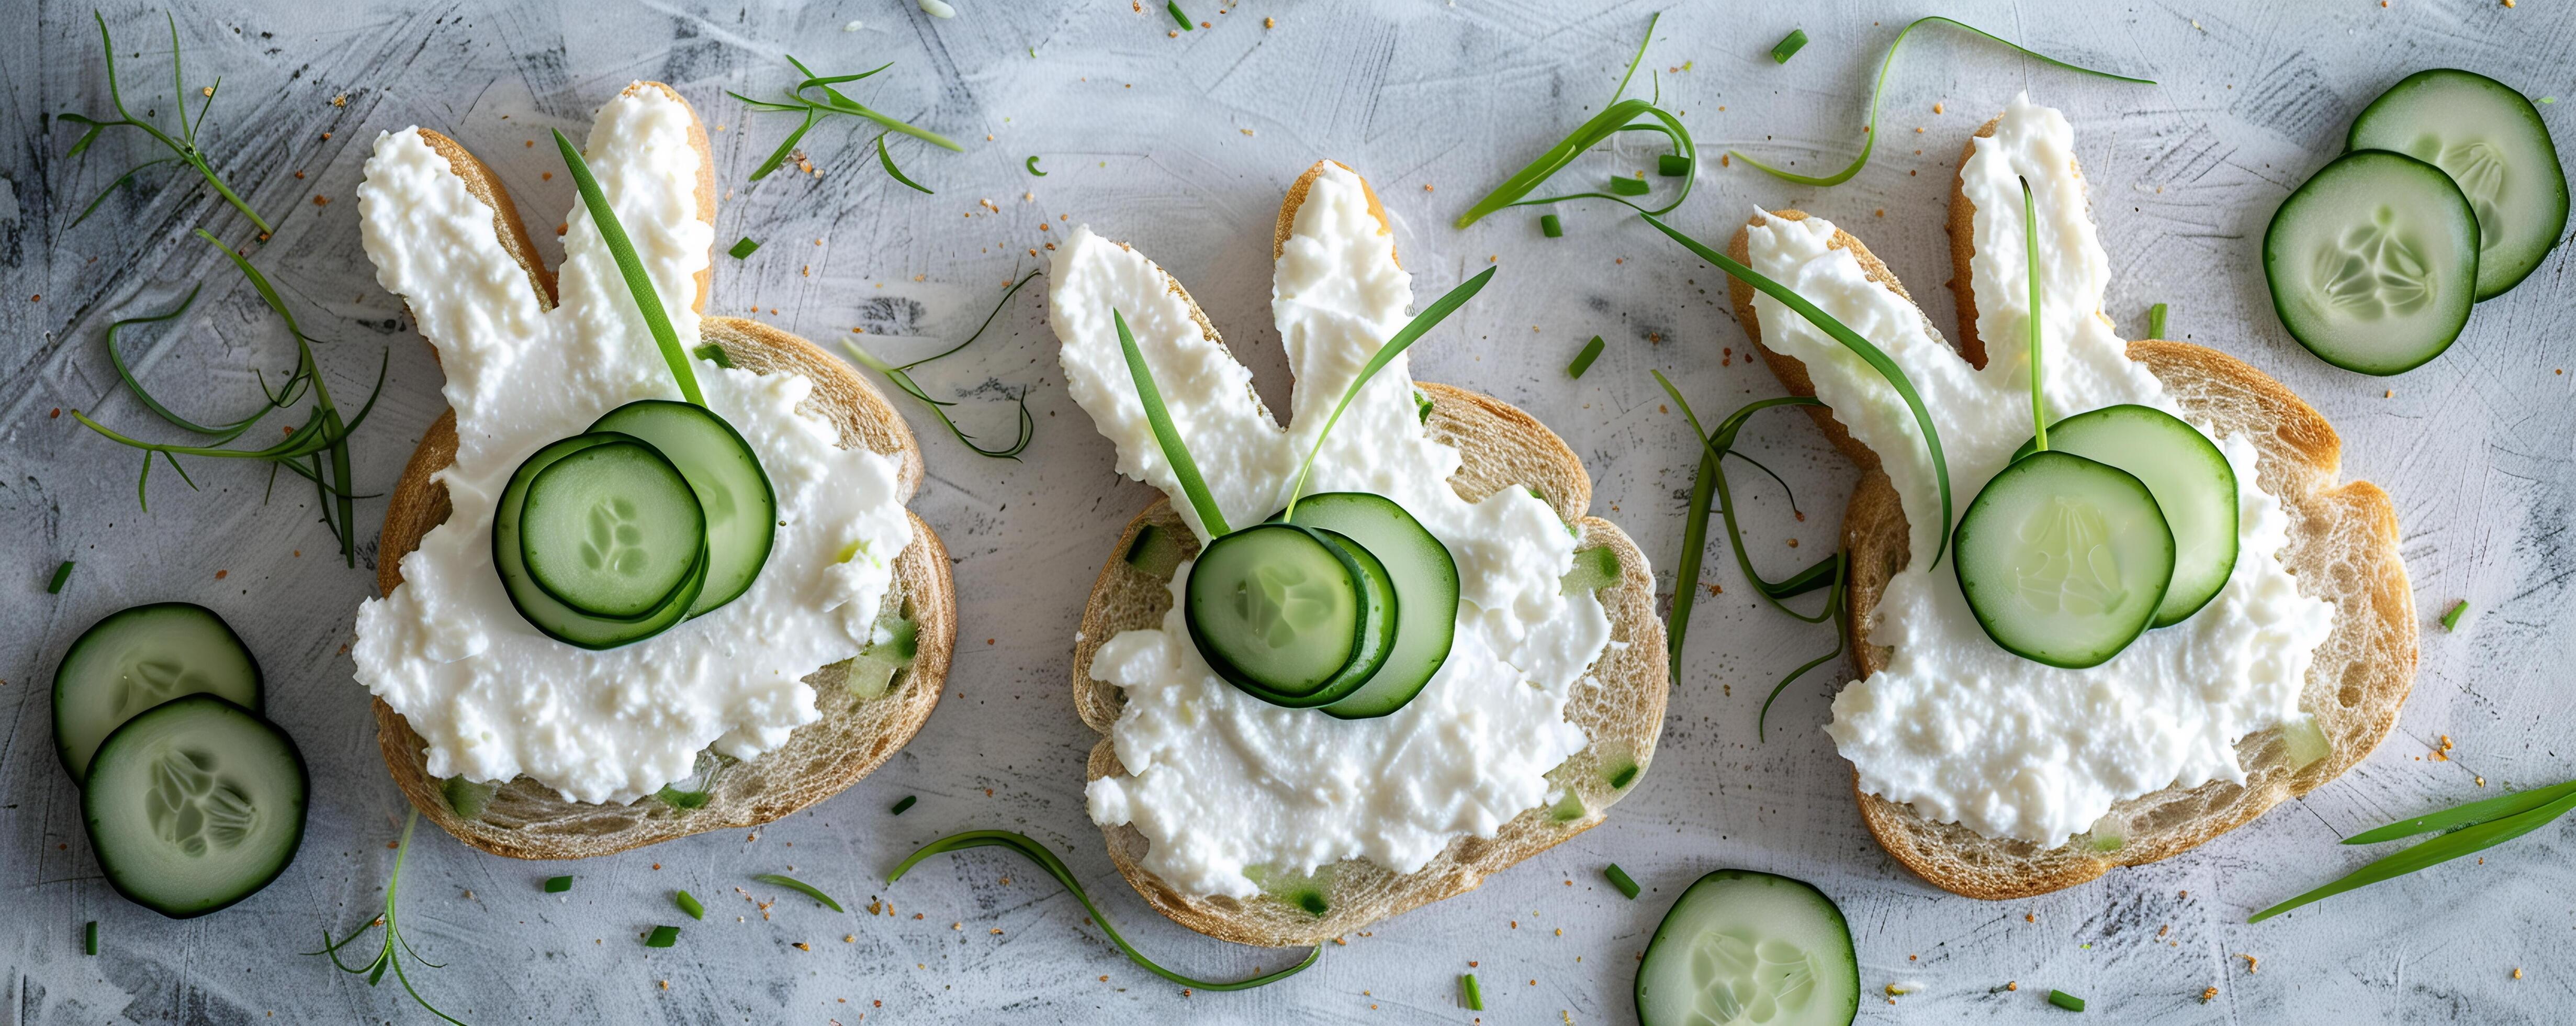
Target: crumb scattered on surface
{"points": [[2251, 962]]}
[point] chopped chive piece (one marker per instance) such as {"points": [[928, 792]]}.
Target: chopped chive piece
{"points": [[743, 248], [2450, 620], [61, 573], [906, 803], [1788, 46], [715, 354], [1313, 902], [1055, 867], [1627, 186], [689, 903], [2066, 1001], [1549, 226], [1033, 166], [801, 887], [1626, 775], [1672, 165], [1583, 360], [2156, 321], [1619, 879], [1421, 406], [1468, 990], [1180, 15], [89, 936], [663, 937], [558, 884]]}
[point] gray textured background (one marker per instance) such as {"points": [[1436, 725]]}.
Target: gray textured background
{"points": [[1183, 146]]}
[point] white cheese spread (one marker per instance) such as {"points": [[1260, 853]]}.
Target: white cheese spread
{"points": [[494, 698], [1955, 725], [1220, 782]]}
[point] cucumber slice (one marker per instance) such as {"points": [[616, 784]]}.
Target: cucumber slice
{"points": [[2374, 262], [1279, 610], [134, 659], [733, 489], [194, 805], [543, 611], [611, 530], [1425, 581], [2491, 141], [1741, 947], [2064, 560], [2194, 487]]}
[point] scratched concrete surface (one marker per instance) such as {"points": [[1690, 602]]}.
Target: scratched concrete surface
{"points": [[1183, 146]]}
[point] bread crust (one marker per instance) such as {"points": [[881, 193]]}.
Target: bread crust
{"points": [[2343, 548], [1619, 704], [528, 820]]}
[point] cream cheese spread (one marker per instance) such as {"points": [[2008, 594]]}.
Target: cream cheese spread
{"points": [[1962, 729], [1220, 782], [494, 698]]}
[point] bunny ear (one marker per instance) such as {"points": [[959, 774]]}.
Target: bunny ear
{"points": [[1337, 293], [1238, 449], [1989, 256], [445, 236], [650, 155]]}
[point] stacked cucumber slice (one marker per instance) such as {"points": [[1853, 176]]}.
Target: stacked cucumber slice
{"points": [[658, 513], [2449, 193], [192, 800]]}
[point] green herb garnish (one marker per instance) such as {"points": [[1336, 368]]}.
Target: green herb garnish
{"points": [[1788, 46], [1174, 6], [2030, 269], [684, 800], [648, 300], [1033, 166], [558, 884], [1618, 117], [2066, 1001], [800, 887], [375, 968], [89, 938], [1621, 185], [183, 149], [301, 451], [1583, 360], [1859, 346], [901, 375], [1470, 993], [1168, 437], [1038, 853], [1870, 134], [2450, 620], [894, 172], [1549, 226], [1623, 777], [743, 248], [689, 903], [715, 354], [1421, 406], [1672, 165], [905, 804], [833, 102], [1403, 339], [2466, 829], [663, 937], [2156, 321], [1619, 879], [61, 573]]}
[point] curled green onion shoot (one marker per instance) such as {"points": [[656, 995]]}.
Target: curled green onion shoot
{"points": [[1033, 166], [1620, 116]]}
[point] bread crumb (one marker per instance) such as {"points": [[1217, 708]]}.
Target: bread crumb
{"points": [[1936, 107], [2517, 972], [2012, 985], [2251, 963], [801, 946], [2211, 994], [1274, 22]]}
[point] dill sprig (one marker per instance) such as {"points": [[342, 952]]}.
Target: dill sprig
{"points": [[833, 102], [318, 451], [385, 958], [183, 147], [901, 375]]}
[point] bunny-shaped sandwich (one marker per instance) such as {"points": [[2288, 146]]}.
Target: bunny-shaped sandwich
{"points": [[1999, 761], [1270, 774], [593, 590]]}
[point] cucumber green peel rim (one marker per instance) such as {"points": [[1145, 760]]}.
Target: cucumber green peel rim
{"points": [[1851, 340], [300, 451], [1403, 339], [1055, 867], [385, 958], [1616, 118], [2465, 829], [1870, 134], [648, 300], [800, 887], [183, 149]]}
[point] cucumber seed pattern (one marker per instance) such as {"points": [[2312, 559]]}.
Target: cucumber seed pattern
{"points": [[616, 541], [195, 809], [1744, 979], [2066, 564], [2480, 173], [2373, 271], [144, 680]]}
